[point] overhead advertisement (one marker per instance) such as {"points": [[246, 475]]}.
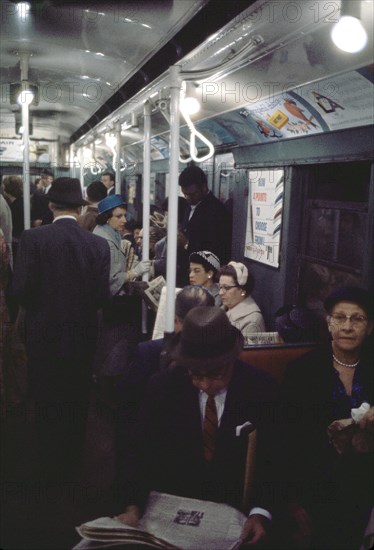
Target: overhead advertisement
{"points": [[345, 101]]}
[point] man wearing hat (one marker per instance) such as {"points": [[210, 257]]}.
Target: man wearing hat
{"points": [[206, 223], [61, 279], [192, 428], [40, 212]]}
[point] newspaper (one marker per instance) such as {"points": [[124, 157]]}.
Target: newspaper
{"points": [[159, 326], [263, 338], [152, 293], [170, 522]]}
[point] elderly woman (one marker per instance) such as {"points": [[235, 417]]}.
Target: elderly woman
{"points": [[329, 468], [110, 223], [236, 284], [204, 266]]}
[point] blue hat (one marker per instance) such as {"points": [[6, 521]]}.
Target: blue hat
{"points": [[111, 201]]}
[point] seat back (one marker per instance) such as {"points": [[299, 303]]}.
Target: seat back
{"points": [[274, 358]]}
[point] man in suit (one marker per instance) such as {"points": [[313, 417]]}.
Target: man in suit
{"points": [[150, 357], [40, 211], [178, 454], [109, 181], [206, 223], [61, 278]]}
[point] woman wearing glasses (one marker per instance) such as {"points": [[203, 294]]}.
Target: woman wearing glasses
{"points": [[330, 459], [236, 284]]}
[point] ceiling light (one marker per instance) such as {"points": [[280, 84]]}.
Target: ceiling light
{"points": [[349, 34], [25, 97], [191, 105]]}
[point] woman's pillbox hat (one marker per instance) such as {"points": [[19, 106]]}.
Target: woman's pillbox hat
{"points": [[207, 259]]}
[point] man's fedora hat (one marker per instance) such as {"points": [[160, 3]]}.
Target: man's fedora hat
{"points": [[111, 201], [208, 340], [66, 191]]}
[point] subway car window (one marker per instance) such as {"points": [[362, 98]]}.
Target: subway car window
{"points": [[335, 229]]}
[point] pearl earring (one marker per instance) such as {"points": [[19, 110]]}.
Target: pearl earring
{"points": [[209, 276], [242, 294]]}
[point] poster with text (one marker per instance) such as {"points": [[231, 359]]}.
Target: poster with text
{"points": [[264, 218]]}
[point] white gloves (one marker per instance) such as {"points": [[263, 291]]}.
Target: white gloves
{"points": [[141, 267]]}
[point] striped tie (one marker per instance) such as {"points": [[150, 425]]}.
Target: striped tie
{"points": [[210, 429]]}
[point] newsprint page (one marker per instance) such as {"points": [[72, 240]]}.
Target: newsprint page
{"points": [[169, 522]]}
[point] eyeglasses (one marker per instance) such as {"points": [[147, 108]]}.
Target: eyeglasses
{"points": [[214, 375], [356, 319], [225, 288]]}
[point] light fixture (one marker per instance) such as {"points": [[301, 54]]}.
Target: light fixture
{"points": [[349, 34], [134, 122], [189, 103], [26, 95]]}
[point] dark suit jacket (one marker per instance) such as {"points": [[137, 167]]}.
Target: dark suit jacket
{"points": [[61, 278], [170, 439], [39, 207], [209, 228]]}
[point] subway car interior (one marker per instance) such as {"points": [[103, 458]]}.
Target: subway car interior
{"points": [[265, 96]]}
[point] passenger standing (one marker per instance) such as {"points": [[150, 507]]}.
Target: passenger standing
{"points": [[61, 279], [96, 191], [236, 284], [40, 212], [13, 191], [206, 224], [109, 181], [120, 327]]}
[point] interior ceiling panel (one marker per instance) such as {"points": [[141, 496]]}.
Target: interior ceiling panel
{"points": [[80, 53]]}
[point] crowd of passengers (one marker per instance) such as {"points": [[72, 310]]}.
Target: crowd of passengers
{"points": [[76, 286]]}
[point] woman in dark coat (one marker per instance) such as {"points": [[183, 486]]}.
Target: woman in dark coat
{"points": [[330, 483]]}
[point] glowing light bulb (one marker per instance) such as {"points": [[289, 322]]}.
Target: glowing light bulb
{"points": [[191, 105], [349, 35]]}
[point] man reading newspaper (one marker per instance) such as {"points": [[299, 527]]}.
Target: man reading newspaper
{"points": [[189, 437]]}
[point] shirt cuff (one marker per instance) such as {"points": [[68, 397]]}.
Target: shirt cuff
{"points": [[261, 512]]}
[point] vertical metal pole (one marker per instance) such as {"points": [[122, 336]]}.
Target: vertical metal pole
{"points": [[26, 164], [146, 197], [71, 161], [171, 261], [118, 159], [81, 169]]}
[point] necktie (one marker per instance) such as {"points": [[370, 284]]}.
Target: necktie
{"points": [[210, 428]]}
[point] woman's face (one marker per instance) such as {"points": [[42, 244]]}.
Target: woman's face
{"points": [[118, 219], [198, 275], [230, 293], [349, 326]]}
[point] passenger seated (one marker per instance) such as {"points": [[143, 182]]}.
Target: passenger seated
{"points": [[297, 324], [236, 283], [330, 471], [178, 453], [204, 266], [150, 357]]}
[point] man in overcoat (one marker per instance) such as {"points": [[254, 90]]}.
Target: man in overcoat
{"points": [[61, 279]]}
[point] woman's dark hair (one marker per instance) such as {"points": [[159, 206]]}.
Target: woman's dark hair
{"points": [[230, 271], [13, 186], [104, 217]]}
